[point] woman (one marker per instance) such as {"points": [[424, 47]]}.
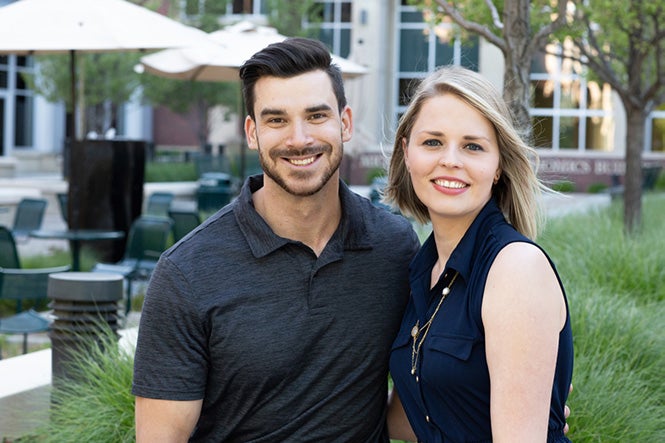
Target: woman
{"points": [[485, 348]]}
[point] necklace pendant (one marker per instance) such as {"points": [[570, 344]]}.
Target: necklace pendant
{"points": [[414, 331], [413, 371]]}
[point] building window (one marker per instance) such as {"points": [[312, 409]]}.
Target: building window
{"points": [[23, 104], [196, 8], [334, 19], [569, 112], [24, 110], [655, 137], [246, 7], [421, 49], [16, 95], [4, 68]]}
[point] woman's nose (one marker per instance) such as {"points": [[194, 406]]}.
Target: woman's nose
{"points": [[450, 157]]}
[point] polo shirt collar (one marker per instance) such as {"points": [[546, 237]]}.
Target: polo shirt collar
{"points": [[262, 240]]}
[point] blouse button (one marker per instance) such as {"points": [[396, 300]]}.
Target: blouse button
{"points": [[427, 418]]}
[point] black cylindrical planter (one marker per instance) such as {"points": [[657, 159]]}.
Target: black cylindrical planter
{"points": [[84, 304], [106, 189]]}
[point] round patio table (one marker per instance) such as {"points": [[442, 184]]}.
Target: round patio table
{"points": [[75, 237]]}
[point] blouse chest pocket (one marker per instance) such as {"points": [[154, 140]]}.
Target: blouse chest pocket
{"points": [[457, 346], [403, 339]]}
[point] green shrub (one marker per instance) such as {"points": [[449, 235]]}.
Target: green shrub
{"points": [[563, 186], [660, 182], [375, 173], [616, 291], [596, 188], [94, 403], [170, 171]]}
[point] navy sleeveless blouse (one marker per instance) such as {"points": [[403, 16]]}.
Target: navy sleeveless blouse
{"points": [[449, 400]]}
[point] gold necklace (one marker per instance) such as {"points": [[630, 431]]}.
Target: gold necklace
{"points": [[416, 330]]}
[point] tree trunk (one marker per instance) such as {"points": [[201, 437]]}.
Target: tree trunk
{"points": [[517, 34], [632, 195], [516, 94]]}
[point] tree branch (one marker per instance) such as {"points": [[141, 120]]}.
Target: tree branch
{"points": [[470, 26], [495, 14], [541, 37]]}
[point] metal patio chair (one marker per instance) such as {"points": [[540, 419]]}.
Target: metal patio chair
{"points": [[20, 285], [183, 222], [28, 217], [148, 237]]}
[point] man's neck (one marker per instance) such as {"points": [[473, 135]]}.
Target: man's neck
{"points": [[311, 220]]}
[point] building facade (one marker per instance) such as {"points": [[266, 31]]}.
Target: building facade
{"points": [[579, 125]]}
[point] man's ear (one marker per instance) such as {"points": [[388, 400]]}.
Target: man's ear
{"points": [[347, 123], [250, 133]]}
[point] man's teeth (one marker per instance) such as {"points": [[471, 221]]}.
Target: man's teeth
{"points": [[302, 161], [450, 184]]}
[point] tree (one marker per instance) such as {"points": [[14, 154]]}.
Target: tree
{"points": [[624, 44], [519, 28]]}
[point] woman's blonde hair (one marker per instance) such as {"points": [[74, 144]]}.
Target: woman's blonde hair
{"points": [[518, 189]]}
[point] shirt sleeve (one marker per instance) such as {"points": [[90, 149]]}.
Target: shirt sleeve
{"points": [[171, 360]]}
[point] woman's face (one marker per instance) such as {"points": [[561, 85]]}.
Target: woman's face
{"points": [[452, 156]]}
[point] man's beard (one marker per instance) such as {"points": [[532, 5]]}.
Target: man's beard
{"points": [[286, 183]]}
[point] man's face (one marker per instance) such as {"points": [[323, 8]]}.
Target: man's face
{"points": [[298, 132]]}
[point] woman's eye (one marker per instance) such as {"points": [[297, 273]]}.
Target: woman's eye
{"points": [[474, 147], [432, 142]]}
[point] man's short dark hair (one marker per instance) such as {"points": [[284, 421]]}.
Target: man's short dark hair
{"points": [[289, 58]]}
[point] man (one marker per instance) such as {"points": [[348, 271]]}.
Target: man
{"points": [[273, 320]]}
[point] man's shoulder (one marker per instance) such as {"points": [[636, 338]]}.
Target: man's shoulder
{"points": [[216, 231], [376, 215], [385, 229]]}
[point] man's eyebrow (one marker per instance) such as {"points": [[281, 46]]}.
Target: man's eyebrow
{"points": [[318, 108], [272, 111]]}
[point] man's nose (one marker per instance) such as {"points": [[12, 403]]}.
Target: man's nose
{"points": [[299, 134]]}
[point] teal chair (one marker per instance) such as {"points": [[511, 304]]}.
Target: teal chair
{"points": [[159, 204], [148, 237], [29, 216], [20, 285], [63, 205], [183, 222], [8, 251]]}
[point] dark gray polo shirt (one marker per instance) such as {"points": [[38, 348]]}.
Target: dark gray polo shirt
{"points": [[280, 344]]}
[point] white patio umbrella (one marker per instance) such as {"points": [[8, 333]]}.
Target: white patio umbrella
{"points": [[33, 27], [220, 58]]}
